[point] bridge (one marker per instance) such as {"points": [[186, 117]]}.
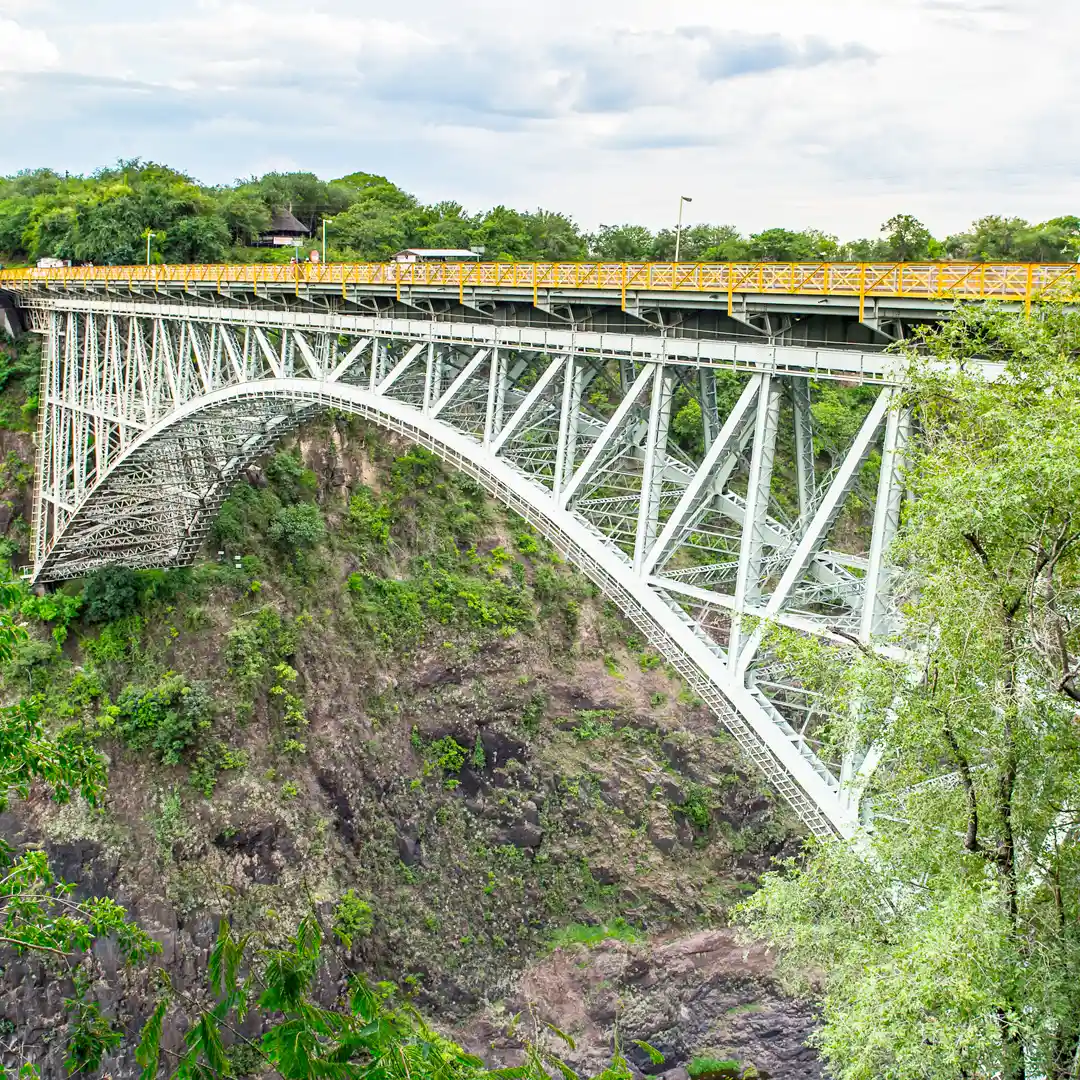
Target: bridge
{"points": [[553, 385]]}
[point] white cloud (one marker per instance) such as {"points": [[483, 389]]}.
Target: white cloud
{"points": [[25, 50], [835, 113]]}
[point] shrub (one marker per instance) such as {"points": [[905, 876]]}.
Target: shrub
{"points": [[255, 645], [369, 518], [110, 594], [167, 718], [212, 760], [707, 1068], [286, 472], [594, 724], [117, 642], [415, 471], [526, 543], [449, 754], [297, 528], [697, 806], [389, 609], [245, 516], [58, 608], [353, 918]]}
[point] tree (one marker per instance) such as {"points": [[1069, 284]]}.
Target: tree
{"points": [[371, 230], [701, 243], [949, 945], [996, 239], [907, 239], [505, 234], [297, 528], [622, 243], [554, 237], [111, 593], [783, 245]]}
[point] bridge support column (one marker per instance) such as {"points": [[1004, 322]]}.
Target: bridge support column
{"points": [[751, 547], [804, 448], [890, 493], [429, 365], [652, 473], [498, 386], [710, 413], [569, 419]]}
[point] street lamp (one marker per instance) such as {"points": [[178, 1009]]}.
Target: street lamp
{"points": [[149, 236], [678, 231]]}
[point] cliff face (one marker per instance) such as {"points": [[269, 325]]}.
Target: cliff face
{"points": [[387, 699]]}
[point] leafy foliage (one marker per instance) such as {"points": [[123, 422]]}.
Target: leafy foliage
{"points": [[950, 945], [111, 593], [371, 1034], [38, 914], [107, 218], [297, 528], [167, 718], [353, 918], [253, 647]]}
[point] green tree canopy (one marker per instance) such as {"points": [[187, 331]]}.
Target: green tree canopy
{"points": [[949, 945], [106, 218]]}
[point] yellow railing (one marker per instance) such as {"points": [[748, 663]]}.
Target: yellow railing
{"points": [[929, 281]]}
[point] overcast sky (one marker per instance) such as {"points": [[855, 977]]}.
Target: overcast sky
{"points": [[830, 113]]}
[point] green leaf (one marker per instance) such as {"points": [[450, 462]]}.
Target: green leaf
{"points": [[148, 1051], [654, 1055], [561, 1034]]}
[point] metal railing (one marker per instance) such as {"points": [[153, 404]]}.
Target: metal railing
{"points": [[1020, 282]]}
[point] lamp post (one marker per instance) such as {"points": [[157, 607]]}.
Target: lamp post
{"points": [[149, 236], [324, 241], [678, 231]]}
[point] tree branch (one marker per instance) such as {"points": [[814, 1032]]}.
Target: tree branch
{"points": [[971, 840]]}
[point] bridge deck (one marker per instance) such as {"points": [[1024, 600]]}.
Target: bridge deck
{"points": [[939, 284]]}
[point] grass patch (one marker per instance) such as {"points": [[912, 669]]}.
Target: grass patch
{"points": [[580, 934], [709, 1068]]}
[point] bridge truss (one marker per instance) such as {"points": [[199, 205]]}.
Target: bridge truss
{"points": [[150, 410]]}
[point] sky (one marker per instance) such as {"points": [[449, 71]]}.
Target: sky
{"points": [[832, 114]]}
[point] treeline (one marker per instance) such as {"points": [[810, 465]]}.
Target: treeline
{"points": [[107, 219]]}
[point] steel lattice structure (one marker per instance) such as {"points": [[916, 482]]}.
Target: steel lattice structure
{"points": [[151, 407]]}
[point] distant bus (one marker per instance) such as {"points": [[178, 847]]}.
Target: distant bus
{"points": [[419, 255]]}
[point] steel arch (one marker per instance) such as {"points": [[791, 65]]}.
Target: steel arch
{"points": [[150, 411], [825, 809]]}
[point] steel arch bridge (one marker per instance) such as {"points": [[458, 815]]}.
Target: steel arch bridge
{"points": [[152, 405]]}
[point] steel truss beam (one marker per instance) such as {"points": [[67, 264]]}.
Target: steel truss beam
{"points": [[150, 412]]}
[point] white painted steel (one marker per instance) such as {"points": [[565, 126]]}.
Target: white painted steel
{"points": [[150, 412]]}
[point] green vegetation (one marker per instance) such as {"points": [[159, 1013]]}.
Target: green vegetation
{"points": [[950, 946], [594, 724], [708, 1068], [20, 371], [38, 915], [353, 918], [579, 934], [166, 718], [371, 1033], [697, 806], [108, 217]]}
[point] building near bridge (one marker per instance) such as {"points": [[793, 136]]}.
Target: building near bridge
{"points": [[286, 230]]}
